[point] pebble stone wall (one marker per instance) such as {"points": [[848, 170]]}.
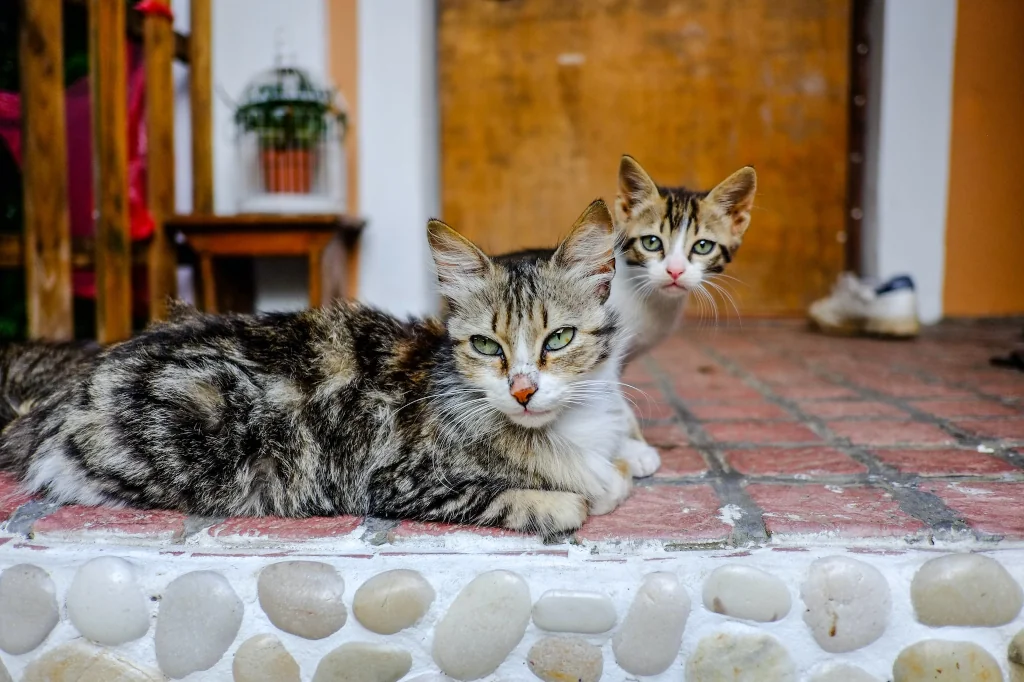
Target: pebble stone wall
{"points": [[764, 616]]}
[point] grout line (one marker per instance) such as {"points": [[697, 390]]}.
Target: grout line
{"points": [[728, 485], [904, 488], [25, 516]]}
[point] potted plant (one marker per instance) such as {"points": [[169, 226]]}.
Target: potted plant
{"points": [[290, 118]]}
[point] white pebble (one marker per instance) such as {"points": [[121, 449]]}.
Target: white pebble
{"points": [[578, 611], [392, 601], [28, 608], [648, 641], [263, 658], [848, 603], [841, 672], [945, 661], [483, 625], [199, 618], [106, 603], [965, 589], [740, 657], [746, 592], [363, 662], [303, 598], [78, 661]]}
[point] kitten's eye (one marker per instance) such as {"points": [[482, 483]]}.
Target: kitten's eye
{"points": [[703, 247], [559, 338], [485, 346], [651, 243]]}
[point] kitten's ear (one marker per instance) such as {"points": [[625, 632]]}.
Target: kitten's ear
{"points": [[458, 260], [735, 197], [636, 189], [589, 250]]}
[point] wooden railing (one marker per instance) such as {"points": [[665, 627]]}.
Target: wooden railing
{"points": [[46, 249]]}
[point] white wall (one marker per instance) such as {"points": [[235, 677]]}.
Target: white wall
{"points": [[246, 36], [905, 215], [398, 152]]}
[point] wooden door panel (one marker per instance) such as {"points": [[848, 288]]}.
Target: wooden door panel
{"points": [[539, 98]]}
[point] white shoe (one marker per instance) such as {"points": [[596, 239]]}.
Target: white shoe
{"points": [[855, 307]]}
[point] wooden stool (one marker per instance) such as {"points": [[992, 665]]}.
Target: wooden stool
{"points": [[212, 236]]}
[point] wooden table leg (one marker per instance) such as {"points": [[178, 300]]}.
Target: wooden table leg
{"points": [[316, 259], [208, 283], [351, 243]]}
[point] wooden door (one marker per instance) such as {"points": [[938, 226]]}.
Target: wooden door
{"points": [[539, 98]]}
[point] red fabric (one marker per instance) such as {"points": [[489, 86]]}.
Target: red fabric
{"points": [[80, 164], [157, 8]]}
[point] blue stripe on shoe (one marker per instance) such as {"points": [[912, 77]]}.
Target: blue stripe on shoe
{"points": [[896, 284]]}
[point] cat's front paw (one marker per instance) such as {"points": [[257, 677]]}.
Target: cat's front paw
{"points": [[547, 512], [618, 488], [643, 459]]}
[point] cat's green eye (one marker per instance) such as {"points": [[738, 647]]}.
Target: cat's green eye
{"points": [[651, 243], [703, 247], [559, 339], [485, 346]]}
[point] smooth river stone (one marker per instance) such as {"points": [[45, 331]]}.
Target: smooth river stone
{"points": [[746, 592], [303, 598], [588, 613], [364, 662], [483, 625], [558, 659], [729, 657], [392, 601], [652, 630], [943, 661], [841, 672], [106, 603], [82, 662], [199, 618], [28, 608], [1015, 654], [264, 659], [848, 603], [965, 589]]}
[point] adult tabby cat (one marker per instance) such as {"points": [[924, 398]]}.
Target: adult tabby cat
{"points": [[506, 415]]}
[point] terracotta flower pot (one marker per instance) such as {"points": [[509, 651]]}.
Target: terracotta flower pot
{"points": [[288, 170]]}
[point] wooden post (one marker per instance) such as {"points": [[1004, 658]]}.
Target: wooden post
{"points": [[110, 149], [47, 250], [201, 95], [158, 44]]}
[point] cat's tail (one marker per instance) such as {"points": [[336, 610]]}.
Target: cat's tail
{"points": [[32, 371]]}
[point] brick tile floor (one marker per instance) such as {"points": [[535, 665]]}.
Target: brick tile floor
{"points": [[766, 433]]}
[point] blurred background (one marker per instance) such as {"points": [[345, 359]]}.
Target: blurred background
{"points": [[260, 154]]}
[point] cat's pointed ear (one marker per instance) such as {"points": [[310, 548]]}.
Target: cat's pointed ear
{"points": [[734, 196], [636, 189], [459, 262], [589, 250]]}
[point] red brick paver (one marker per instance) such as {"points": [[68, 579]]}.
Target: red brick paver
{"points": [[844, 511], [808, 462], [71, 521], [276, 528], [689, 513]]}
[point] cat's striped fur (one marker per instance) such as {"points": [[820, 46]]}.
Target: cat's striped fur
{"points": [[349, 410]]}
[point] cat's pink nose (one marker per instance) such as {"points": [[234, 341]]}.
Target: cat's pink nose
{"points": [[522, 388], [675, 273]]}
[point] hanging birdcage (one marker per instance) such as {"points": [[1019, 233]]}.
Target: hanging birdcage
{"points": [[289, 134]]}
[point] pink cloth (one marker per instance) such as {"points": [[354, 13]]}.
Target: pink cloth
{"points": [[80, 163]]}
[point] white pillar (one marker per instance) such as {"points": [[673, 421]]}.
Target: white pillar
{"points": [[398, 153], [908, 168]]}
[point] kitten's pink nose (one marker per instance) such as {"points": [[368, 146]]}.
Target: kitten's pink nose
{"points": [[522, 388], [675, 272]]}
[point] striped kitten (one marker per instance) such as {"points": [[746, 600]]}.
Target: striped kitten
{"points": [[503, 416], [672, 242]]}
